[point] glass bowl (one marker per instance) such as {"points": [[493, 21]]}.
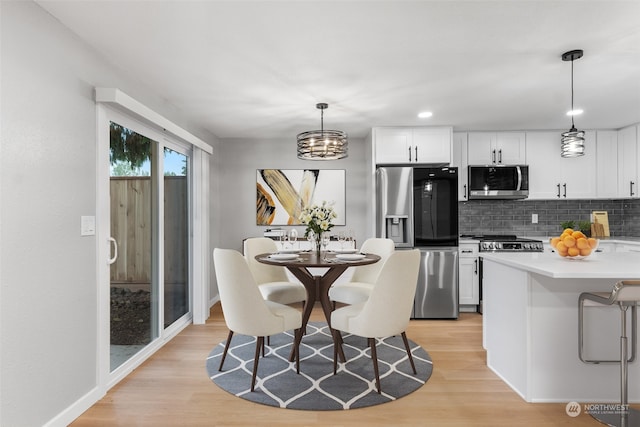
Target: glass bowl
{"points": [[584, 249]]}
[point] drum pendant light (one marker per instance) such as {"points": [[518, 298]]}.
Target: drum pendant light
{"points": [[572, 141], [322, 144]]}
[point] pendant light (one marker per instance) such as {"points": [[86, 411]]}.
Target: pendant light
{"points": [[573, 140], [322, 144]]}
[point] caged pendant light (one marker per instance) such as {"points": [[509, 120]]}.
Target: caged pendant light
{"points": [[572, 144], [322, 144]]}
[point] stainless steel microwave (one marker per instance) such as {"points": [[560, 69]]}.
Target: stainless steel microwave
{"points": [[498, 182]]}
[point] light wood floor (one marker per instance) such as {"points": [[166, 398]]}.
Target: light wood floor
{"points": [[173, 389]]}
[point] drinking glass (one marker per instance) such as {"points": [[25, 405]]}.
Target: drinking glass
{"points": [[293, 237], [351, 239], [311, 237], [284, 239], [326, 237], [341, 239]]}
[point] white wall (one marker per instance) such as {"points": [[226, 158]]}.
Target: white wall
{"points": [[241, 159], [48, 303]]}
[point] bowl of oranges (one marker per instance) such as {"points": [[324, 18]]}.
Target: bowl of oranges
{"points": [[573, 244]]}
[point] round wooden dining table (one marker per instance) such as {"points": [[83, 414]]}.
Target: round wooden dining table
{"points": [[317, 286]]}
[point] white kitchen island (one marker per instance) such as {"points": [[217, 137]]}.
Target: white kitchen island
{"points": [[530, 325]]}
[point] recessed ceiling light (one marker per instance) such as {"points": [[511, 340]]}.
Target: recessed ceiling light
{"points": [[575, 112], [425, 114]]}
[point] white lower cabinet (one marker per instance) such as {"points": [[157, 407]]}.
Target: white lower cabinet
{"points": [[468, 275]]}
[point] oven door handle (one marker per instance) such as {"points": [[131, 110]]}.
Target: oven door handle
{"points": [[519, 177]]}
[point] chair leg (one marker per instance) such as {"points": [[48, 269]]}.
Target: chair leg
{"points": [[259, 343], [296, 342], [268, 343], [406, 346], [374, 358], [226, 347], [337, 341], [263, 346], [623, 356]]}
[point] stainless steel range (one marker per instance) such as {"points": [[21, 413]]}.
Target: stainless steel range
{"points": [[502, 243], [506, 243]]}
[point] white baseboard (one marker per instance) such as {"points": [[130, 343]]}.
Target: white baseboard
{"points": [[67, 416]]}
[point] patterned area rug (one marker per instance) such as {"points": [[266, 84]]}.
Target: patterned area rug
{"points": [[316, 388]]}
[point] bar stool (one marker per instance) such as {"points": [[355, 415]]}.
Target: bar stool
{"points": [[625, 293]]}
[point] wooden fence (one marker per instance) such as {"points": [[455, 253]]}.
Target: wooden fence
{"points": [[132, 227]]}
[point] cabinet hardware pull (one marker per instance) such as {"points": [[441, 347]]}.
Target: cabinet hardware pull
{"points": [[558, 190], [475, 263], [409, 153], [466, 251], [493, 156], [465, 191], [416, 150], [500, 156], [631, 188], [565, 189]]}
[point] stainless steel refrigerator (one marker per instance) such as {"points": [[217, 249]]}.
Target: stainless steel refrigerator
{"points": [[418, 208]]}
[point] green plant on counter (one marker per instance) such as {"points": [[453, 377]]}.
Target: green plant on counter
{"points": [[568, 224], [584, 226]]}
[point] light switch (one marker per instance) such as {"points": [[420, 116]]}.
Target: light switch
{"points": [[87, 225]]}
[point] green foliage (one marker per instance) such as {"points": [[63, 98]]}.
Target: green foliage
{"points": [[584, 226], [128, 146], [125, 169], [568, 224]]}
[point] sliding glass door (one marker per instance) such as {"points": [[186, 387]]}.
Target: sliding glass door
{"points": [[176, 235], [150, 229]]}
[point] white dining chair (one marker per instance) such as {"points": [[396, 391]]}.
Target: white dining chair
{"points": [[272, 280], [387, 310], [246, 312], [359, 287]]}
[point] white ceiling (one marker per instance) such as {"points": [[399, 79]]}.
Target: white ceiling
{"points": [[256, 69]]}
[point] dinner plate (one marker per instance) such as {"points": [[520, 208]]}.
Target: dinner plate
{"points": [[283, 257], [350, 257], [289, 251], [345, 251]]}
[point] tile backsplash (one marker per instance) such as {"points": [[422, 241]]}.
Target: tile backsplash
{"points": [[514, 216]]}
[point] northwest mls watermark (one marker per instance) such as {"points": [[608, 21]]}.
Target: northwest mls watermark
{"points": [[574, 409]]}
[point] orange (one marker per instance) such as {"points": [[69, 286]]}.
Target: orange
{"points": [[561, 247], [573, 251], [592, 242], [582, 243], [569, 241], [585, 252], [567, 230], [554, 241], [563, 253], [578, 234]]}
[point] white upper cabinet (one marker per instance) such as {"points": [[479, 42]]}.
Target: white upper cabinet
{"points": [[606, 164], [459, 160], [554, 177], [496, 148], [628, 156], [401, 145]]}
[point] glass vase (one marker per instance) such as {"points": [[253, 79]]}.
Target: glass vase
{"points": [[318, 243]]}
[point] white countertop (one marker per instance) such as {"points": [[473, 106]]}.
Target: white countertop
{"points": [[600, 265]]}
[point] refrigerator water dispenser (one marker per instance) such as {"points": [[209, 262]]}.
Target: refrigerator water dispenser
{"points": [[397, 229]]}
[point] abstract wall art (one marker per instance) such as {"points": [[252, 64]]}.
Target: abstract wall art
{"points": [[283, 193]]}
